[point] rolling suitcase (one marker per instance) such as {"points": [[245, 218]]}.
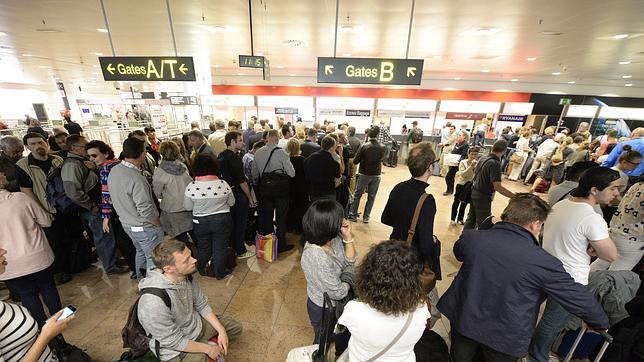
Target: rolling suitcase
{"points": [[582, 334]]}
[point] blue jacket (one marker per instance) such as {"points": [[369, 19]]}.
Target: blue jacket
{"points": [[636, 144], [504, 278]]}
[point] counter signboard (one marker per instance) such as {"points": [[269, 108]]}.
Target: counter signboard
{"points": [[147, 68], [370, 71], [286, 110], [357, 113], [465, 116], [512, 118], [183, 100]]}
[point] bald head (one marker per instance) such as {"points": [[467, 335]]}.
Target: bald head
{"points": [[272, 136]]}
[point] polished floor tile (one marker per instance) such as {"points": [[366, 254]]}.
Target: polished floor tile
{"points": [[269, 299]]}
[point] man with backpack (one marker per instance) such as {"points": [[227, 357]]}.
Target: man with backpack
{"points": [[415, 135], [83, 188], [33, 174], [174, 312]]}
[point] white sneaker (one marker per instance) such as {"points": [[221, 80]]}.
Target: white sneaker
{"points": [[246, 255]]}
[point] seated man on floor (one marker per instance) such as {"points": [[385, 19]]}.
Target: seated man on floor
{"points": [[184, 329]]}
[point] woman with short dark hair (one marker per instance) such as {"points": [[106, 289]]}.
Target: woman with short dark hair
{"points": [[390, 292], [210, 200], [328, 258]]}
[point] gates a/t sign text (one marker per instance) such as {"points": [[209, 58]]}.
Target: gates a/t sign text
{"points": [[148, 68]]}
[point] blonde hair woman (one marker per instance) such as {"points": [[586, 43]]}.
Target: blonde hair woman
{"points": [[519, 156]]}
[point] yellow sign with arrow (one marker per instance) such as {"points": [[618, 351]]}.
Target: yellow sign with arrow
{"points": [[148, 68]]}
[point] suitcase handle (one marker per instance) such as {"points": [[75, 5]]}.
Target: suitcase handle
{"points": [[607, 340]]}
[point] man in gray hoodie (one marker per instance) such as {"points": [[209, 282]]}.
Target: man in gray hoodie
{"points": [[184, 329], [132, 199]]}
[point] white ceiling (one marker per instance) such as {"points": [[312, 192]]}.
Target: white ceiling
{"points": [[444, 33]]}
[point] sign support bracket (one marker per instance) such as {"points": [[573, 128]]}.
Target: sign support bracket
{"points": [[107, 27], [250, 17], [411, 22], [335, 39], [174, 40]]}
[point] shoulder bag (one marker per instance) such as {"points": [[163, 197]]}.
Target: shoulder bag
{"points": [[396, 339], [427, 276], [465, 194], [274, 183]]}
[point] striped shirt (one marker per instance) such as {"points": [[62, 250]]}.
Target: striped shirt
{"points": [[18, 332], [106, 200]]}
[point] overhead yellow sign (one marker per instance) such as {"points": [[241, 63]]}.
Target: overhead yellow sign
{"points": [[370, 71], [148, 68]]}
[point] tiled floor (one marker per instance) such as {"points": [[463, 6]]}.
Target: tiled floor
{"points": [[269, 299]]}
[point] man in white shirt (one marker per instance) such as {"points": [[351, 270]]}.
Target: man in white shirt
{"points": [[573, 233], [286, 135], [544, 152], [216, 138], [446, 132]]}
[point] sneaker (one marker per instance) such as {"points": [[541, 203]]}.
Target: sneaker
{"points": [[118, 270], [227, 272], [452, 222], [246, 255], [365, 220], [446, 193], [352, 218], [461, 222]]}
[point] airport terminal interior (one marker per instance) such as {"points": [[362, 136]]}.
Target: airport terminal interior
{"points": [[378, 82]]}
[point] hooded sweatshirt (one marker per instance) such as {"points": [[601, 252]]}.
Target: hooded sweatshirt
{"points": [[169, 184], [173, 327]]}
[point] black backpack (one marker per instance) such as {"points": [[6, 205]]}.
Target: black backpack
{"points": [[416, 135], [55, 190], [133, 334]]}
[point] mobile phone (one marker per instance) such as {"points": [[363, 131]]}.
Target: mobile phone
{"points": [[68, 311]]}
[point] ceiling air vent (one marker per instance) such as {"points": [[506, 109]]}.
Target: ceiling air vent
{"points": [[294, 43]]}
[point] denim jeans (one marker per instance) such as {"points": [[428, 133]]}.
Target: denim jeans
{"points": [[104, 242], [145, 238], [239, 213], [213, 237], [554, 320], [370, 184], [33, 286]]}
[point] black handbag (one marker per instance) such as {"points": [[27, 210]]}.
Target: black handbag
{"points": [[274, 183], [465, 193]]}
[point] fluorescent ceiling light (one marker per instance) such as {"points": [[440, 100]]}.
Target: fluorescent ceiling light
{"points": [[551, 32], [216, 66], [485, 70], [280, 67], [556, 73], [514, 80], [625, 62], [240, 73], [291, 75], [457, 78], [98, 53], [531, 59], [217, 29], [27, 55], [627, 76], [609, 95], [101, 30], [557, 92], [628, 85], [437, 56], [482, 31], [620, 36], [572, 82], [2, 33]]}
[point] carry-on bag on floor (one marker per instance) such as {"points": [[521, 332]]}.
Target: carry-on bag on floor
{"points": [[266, 247], [318, 352], [587, 343]]}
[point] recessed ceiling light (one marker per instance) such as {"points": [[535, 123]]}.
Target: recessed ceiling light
{"points": [[280, 67], [27, 55], [2, 33], [620, 36], [485, 70], [625, 62], [628, 85], [98, 53], [627, 76], [240, 73], [457, 78], [482, 31], [531, 59], [514, 80], [217, 29], [572, 82], [291, 75], [551, 32], [101, 30], [347, 28], [294, 43], [556, 73]]}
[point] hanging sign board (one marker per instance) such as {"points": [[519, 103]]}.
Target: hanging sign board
{"points": [[331, 112], [357, 113], [286, 110], [511, 118], [466, 116], [148, 68], [183, 100], [370, 71], [251, 61], [417, 114]]}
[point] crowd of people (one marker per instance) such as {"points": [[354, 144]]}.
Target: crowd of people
{"points": [[167, 209]]}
